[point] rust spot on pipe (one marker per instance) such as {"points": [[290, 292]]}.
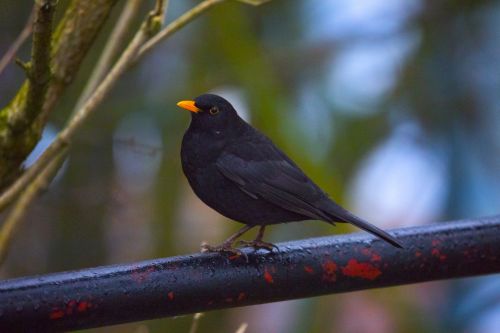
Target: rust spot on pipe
{"points": [[329, 271], [374, 256], [268, 277], [84, 306], [308, 269], [437, 254], [361, 270], [56, 314], [70, 306]]}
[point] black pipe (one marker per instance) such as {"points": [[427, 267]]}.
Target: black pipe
{"points": [[202, 282]]}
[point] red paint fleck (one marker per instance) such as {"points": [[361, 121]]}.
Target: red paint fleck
{"points": [[360, 269], [418, 254], [70, 306], [436, 242], [309, 269], [171, 295], [56, 314], [329, 271], [234, 257], [437, 254], [268, 277], [370, 253], [241, 296], [83, 306]]}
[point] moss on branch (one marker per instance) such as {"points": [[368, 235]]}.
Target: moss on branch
{"points": [[55, 60]]}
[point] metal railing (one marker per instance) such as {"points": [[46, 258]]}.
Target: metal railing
{"points": [[202, 282]]}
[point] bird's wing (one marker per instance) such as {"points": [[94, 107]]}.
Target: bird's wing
{"points": [[262, 171]]}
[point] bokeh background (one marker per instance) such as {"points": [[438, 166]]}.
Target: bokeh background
{"points": [[391, 106]]}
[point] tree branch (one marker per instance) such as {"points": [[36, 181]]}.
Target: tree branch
{"points": [[45, 176], [16, 45], [177, 24], [130, 55], [113, 45], [73, 38], [185, 19], [26, 105], [45, 165], [23, 119], [13, 220], [71, 41], [202, 282], [38, 71]]}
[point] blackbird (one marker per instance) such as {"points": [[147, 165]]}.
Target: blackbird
{"points": [[239, 172]]}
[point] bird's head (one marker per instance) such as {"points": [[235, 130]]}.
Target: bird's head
{"points": [[211, 112]]}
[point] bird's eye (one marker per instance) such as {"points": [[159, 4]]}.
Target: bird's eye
{"points": [[213, 110]]}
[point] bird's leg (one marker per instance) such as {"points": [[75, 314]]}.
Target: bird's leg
{"points": [[258, 243], [227, 245]]}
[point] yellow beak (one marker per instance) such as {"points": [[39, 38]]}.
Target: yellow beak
{"points": [[188, 105]]}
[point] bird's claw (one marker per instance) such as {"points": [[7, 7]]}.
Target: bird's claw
{"points": [[224, 248], [258, 244]]}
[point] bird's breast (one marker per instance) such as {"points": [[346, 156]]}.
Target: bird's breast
{"points": [[198, 152]]}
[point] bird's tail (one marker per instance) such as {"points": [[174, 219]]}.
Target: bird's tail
{"points": [[340, 214]]}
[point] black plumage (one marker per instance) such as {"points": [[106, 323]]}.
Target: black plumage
{"points": [[239, 172]]}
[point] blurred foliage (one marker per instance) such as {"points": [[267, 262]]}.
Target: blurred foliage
{"points": [[268, 58]]}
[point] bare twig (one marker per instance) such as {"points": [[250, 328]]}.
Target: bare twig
{"points": [[59, 145], [73, 38], [161, 7], [254, 2], [63, 138], [242, 329], [13, 191], [196, 322], [38, 71], [79, 118], [177, 24], [70, 42], [113, 45], [130, 55], [104, 87], [12, 51], [12, 222], [185, 19]]}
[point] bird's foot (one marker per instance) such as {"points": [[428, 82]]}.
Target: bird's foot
{"points": [[258, 244], [224, 248]]}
